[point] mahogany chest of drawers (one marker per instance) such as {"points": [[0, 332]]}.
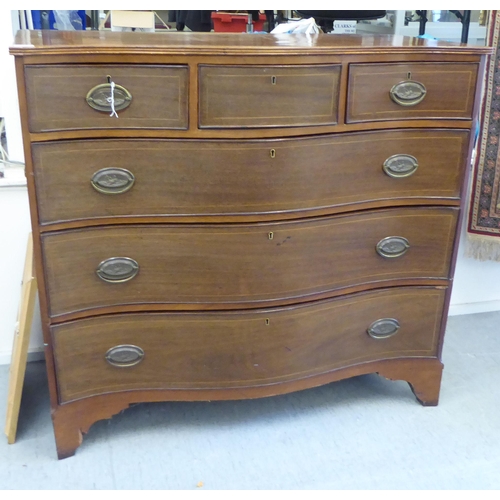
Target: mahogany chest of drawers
{"points": [[237, 216]]}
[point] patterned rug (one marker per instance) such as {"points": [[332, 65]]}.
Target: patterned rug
{"points": [[484, 211]]}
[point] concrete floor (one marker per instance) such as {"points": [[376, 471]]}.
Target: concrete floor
{"points": [[362, 433]]}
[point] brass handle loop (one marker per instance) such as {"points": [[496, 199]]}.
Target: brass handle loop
{"points": [[383, 328], [400, 166], [100, 98], [117, 269], [124, 356], [392, 247], [112, 180], [408, 93]]}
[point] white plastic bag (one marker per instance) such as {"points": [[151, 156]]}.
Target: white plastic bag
{"points": [[67, 20], [303, 26]]}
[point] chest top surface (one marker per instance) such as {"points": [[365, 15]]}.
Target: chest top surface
{"points": [[67, 42]]}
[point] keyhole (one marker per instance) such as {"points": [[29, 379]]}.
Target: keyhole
{"points": [[267, 321], [270, 236], [409, 75], [108, 78], [272, 153], [273, 80]]}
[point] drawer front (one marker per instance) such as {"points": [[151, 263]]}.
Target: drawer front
{"points": [[242, 349], [268, 96], [89, 269], [419, 90], [125, 178], [68, 97]]}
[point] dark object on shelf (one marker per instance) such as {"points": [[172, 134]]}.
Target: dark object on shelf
{"points": [[271, 24], [325, 18], [195, 20], [422, 14], [464, 19], [94, 19]]}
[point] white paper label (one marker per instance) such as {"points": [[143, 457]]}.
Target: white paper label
{"points": [[343, 27]]}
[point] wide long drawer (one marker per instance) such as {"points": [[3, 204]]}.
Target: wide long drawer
{"points": [[268, 96], [401, 91], [248, 264], [72, 97], [243, 349], [78, 180]]}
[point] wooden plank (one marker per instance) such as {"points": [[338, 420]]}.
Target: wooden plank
{"points": [[21, 343]]}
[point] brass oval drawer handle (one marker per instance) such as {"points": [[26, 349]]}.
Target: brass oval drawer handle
{"points": [[112, 180], [117, 269], [392, 246], [383, 328], [100, 98], [124, 356], [399, 166], [408, 93]]}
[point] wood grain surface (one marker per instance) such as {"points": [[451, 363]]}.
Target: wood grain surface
{"points": [[57, 96], [243, 349], [224, 178], [248, 264], [450, 91], [268, 96]]}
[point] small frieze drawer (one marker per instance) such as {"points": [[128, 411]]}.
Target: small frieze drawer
{"points": [[268, 96], [249, 264], [75, 97], [403, 91], [204, 350]]}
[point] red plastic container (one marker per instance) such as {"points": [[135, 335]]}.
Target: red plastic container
{"points": [[235, 23]]}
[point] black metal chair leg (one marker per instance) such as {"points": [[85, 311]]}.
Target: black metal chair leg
{"points": [[465, 26], [423, 20], [94, 19], [465, 20]]}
